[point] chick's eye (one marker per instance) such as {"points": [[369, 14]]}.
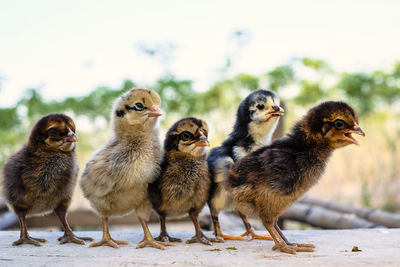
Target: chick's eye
{"points": [[260, 106], [53, 132], [185, 136], [138, 106], [339, 124]]}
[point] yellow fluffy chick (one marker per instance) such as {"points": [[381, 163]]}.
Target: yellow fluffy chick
{"points": [[115, 179]]}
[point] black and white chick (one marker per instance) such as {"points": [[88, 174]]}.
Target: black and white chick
{"points": [[116, 178], [256, 120], [184, 183]]}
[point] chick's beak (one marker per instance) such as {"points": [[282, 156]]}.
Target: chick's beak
{"points": [[356, 130], [155, 111], [276, 111], [203, 141], [71, 137]]}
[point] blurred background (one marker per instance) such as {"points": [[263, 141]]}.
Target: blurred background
{"points": [[203, 58]]}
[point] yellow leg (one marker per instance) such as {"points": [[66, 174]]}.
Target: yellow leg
{"points": [[250, 231], [287, 242], [107, 240], [148, 240], [219, 236], [281, 244]]}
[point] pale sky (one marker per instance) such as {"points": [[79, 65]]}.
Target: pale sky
{"points": [[67, 48]]}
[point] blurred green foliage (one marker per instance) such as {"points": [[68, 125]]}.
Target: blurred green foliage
{"points": [[280, 77], [368, 92]]}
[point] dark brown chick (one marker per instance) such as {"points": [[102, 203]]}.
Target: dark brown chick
{"points": [[41, 177], [266, 182], [184, 184]]}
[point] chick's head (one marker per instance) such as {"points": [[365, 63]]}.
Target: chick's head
{"points": [[54, 132], [189, 135], [335, 122], [139, 106], [261, 106]]}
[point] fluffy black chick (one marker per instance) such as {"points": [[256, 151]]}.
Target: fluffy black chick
{"points": [[266, 182], [256, 120], [184, 184], [40, 178]]}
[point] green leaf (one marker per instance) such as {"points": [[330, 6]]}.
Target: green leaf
{"points": [[214, 249], [355, 249]]}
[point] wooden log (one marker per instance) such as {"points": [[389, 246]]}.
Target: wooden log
{"points": [[376, 216], [3, 206], [7, 220], [324, 218], [279, 131]]}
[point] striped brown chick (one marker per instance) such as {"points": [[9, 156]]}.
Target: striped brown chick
{"points": [[183, 186]]}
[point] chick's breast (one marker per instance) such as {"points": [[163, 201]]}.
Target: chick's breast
{"points": [[39, 182], [115, 180], [185, 185]]}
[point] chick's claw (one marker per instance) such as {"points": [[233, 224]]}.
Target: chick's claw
{"points": [[252, 235], [200, 239], [104, 242], [120, 242], [109, 242], [219, 239], [152, 243], [38, 239], [302, 245], [85, 238], [167, 244], [71, 238], [215, 240], [291, 249]]}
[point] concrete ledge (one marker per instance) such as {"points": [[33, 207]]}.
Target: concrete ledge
{"points": [[379, 246]]}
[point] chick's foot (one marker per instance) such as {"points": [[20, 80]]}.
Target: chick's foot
{"points": [[72, 238], [153, 243], [219, 239], [292, 249], [109, 242], [302, 245], [29, 240], [164, 237], [250, 234], [200, 239]]}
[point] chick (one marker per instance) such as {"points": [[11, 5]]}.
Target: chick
{"points": [[184, 184], [266, 182], [116, 178], [256, 121], [40, 178]]}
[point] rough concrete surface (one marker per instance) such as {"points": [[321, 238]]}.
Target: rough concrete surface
{"points": [[379, 247]]}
